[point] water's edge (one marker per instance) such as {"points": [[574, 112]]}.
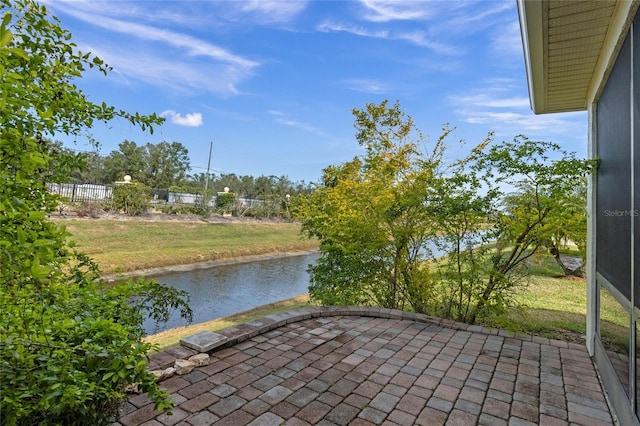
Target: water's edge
{"points": [[202, 265]]}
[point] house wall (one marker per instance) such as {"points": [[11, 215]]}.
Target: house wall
{"points": [[616, 225]]}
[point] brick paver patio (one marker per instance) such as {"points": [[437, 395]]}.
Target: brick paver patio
{"points": [[359, 366]]}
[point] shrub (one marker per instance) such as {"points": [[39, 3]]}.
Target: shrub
{"points": [[69, 344], [225, 201], [91, 210], [76, 369], [132, 199]]}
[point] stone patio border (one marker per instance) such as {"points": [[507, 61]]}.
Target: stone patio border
{"points": [[236, 334]]}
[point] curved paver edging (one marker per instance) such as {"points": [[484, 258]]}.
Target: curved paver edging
{"points": [[242, 332], [359, 365], [239, 333]]}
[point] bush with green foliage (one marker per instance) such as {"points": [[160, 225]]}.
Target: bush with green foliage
{"points": [[132, 199], [69, 344], [379, 216], [225, 201]]}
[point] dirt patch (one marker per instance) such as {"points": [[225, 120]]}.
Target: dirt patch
{"points": [[574, 278]]}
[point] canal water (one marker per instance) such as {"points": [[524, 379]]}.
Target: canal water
{"points": [[225, 290]]}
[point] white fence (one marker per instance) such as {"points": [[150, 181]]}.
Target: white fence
{"points": [[85, 192], [81, 192]]}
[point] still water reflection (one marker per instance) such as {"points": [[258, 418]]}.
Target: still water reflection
{"points": [[228, 289]]}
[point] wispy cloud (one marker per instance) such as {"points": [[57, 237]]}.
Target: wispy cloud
{"points": [[467, 16], [486, 100], [188, 44], [395, 10], [185, 77], [367, 86], [353, 29], [264, 11], [495, 106], [418, 38], [507, 40], [156, 55], [283, 118], [164, 13], [193, 119]]}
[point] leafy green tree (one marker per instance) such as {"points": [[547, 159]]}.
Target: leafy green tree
{"points": [[159, 165], [225, 201], [370, 218], [505, 204], [379, 217], [231, 181], [69, 346], [130, 159], [568, 223], [92, 169], [462, 210], [90, 165], [548, 205], [167, 164]]}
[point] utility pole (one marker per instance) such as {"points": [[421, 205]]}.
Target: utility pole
{"points": [[206, 182]]}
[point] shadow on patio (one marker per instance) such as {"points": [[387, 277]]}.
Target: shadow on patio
{"points": [[370, 366]]}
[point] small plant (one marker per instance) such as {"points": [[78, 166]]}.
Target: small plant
{"points": [[91, 210], [132, 199], [226, 201]]}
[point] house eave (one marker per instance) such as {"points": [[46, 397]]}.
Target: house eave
{"points": [[558, 40]]}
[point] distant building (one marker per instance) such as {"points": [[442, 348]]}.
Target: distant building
{"points": [[585, 55]]}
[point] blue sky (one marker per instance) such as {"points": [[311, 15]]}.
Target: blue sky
{"points": [[273, 83]]}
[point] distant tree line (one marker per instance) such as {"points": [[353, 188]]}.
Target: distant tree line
{"points": [[166, 165]]}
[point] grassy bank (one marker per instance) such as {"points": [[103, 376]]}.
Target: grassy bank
{"points": [[172, 337], [125, 246], [555, 306]]}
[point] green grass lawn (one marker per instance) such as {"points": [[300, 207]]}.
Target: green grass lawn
{"points": [[555, 306], [124, 246]]}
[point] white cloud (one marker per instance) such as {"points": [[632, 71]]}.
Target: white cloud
{"points": [[394, 10], [158, 56], [481, 19], [189, 45], [419, 38], [326, 27], [264, 11], [508, 40], [283, 118], [368, 86], [495, 106], [486, 100], [189, 120], [162, 13], [186, 76]]}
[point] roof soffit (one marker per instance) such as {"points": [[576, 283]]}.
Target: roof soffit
{"points": [[569, 48]]}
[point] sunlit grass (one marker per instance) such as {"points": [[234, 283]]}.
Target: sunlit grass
{"points": [[555, 307], [172, 337], [124, 246]]}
